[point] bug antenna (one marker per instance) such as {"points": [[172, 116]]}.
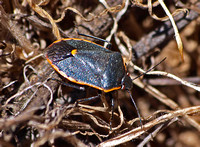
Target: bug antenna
{"points": [[97, 38], [150, 69], [138, 113]]}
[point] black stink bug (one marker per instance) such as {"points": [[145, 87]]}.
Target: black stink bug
{"points": [[87, 63]]}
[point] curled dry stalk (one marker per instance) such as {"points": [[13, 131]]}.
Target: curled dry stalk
{"points": [[169, 16], [162, 97], [134, 133], [48, 125], [44, 14]]}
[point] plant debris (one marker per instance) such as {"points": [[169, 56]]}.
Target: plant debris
{"points": [[37, 111]]}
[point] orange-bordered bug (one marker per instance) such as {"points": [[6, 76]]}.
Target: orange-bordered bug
{"points": [[87, 63]]}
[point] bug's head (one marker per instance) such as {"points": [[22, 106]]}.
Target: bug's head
{"points": [[127, 82]]}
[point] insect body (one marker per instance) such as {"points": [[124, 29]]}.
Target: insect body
{"points": [[87, 63]]}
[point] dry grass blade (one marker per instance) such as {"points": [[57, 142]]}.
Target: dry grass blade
{"points": [[130, 135], [57, 134], [165, 100], [169, 75], [176, 12], [177, 36], [44, 14], [169, 16], [39, 111]]}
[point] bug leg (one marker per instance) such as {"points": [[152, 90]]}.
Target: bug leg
{"points": [[112, 111], [68, 84], [138, 113], [86, 99]]}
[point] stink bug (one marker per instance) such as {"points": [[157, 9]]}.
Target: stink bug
{"points": [[87, 63]]}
